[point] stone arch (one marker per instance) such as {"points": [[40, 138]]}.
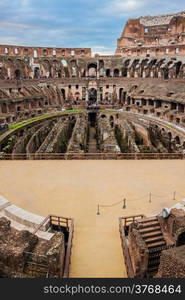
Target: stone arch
{"points": [[74, 68], [77, 96], [101, 68], [92, 95], [4, 108], [101, 63], [116, 72], [121, 94], [92, 70], [108, 73], [124, 71], [47, 67], [107, 96], [170, 135], [36, 72], [178, 68], [59, 74], [177, 140], [166, 73], [63, 93], [180, 240], [45, 52], [17, 74]]}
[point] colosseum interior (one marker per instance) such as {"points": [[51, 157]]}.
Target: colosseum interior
{"points": [[64, 105]]}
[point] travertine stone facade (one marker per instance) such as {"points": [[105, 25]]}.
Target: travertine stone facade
{"points": [[153, 36]]}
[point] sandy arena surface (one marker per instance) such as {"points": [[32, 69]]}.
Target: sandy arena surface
{"points": [[75, 188]]}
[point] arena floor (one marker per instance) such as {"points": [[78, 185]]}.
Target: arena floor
{"points": [[75, 188]]}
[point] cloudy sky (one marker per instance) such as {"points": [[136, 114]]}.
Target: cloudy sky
{"points": [[74, 23]]}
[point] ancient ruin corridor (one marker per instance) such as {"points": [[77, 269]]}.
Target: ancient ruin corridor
{"points": [[93, 132], [75, 188]]}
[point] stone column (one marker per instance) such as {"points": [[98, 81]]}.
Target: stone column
{"points": [[87, 95], [155, 103]]}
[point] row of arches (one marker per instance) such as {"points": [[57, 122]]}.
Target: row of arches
{"points": [[143, 68]]}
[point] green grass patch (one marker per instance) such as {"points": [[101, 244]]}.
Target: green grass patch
{"points": [[42, 117]]}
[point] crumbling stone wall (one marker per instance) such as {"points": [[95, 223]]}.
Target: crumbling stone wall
{"points": [[178, 218], [106, 135], [160, 140], [39, 136], [138, 253], [125, 136], [20, 146], [14, 244], [172, 263], [49, 138], [78, 141], [61, 138]]}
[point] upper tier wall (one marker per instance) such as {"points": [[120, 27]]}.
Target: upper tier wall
{"points": [[158, 35], [17, 51]]}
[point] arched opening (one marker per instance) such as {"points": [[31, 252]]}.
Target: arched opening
{"points": [[92, 119], [92, 70], [166, 74], [181, 240], [17, 74], [74, 68], [63, 93], [101, 68], [77, 96], [111, 121], [36, 72], [170, 135], [116, 73], [121, 95], [106, 96], [178, 67], [92, 96], [177, 140], [124, 72], [108, 73], [45, 52], [4, 108]]}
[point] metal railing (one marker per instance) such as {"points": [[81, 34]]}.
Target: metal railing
{"points": [[125, 221]]}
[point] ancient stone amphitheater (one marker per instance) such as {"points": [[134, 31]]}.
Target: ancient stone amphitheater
{"points": [[61, 103]]}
